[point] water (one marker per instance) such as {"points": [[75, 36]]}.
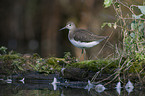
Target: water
{"points": [[47, 89]]}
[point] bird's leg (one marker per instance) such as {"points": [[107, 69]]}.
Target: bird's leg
{"points": [[81, 53], [84, 54]]}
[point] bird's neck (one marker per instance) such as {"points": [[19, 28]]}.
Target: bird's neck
{"points": [[71, 34]]}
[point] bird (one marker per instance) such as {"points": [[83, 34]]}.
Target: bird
{"points": [[82, 38]]}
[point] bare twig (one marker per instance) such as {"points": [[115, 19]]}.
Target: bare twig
{"points": [[105, 44], [97, 73]]}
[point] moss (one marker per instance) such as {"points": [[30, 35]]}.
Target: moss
{"points": [[55, 63], [8, 57], [12, 62], [46, 65], [95, 65], [19, 63], [137, 66]]}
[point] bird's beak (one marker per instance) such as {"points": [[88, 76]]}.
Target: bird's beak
{"points": [[62, 28]]}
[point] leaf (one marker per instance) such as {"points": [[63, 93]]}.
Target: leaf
{"points": [[20, 68], [107, 3], [141, 27], [142, 9], [103, 25], [33, 67], [115, 25], [137, 16], [132, 35], [137, 25], [3, 49], [109, 24], [133, 25]]}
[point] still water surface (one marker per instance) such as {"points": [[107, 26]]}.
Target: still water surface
{"points": [[46, 89]]}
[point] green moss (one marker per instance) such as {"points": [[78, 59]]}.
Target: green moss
{"points": [[13, 62], [35, 56], [19, 63], [55, 63], [95, 65], [9, 57], [137, 66]]}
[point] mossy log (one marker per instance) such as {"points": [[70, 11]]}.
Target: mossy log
{"points": [[100, 70]]}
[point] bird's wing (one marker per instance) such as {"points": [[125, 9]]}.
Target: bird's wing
{"points": [[86, 36]]}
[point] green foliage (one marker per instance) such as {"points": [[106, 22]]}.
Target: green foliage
{"points": [[104, 24], [137, 66], [107, 3], [13, 62], [35, 56], [9, 57], [137, 16], [67, 57], [132, 28], [3, 49], [49, 65], [17, 65], [142, 9], [114, 25], [133, 41]]}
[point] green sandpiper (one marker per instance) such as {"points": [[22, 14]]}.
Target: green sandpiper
{"points": [[82, 38]]}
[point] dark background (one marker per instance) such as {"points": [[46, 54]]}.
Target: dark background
{"points": [[31, 26]]}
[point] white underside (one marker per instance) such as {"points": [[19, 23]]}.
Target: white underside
{"points": [[83, 45]]}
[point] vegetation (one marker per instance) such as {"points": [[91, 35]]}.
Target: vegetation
{"points": [[131, 25], [128, 62], [14, 63]]}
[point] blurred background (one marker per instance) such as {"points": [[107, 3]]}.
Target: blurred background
{"points": [[31, 26]]}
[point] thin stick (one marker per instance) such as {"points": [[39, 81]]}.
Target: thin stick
{"points": [[104, 44], [97, 73]]}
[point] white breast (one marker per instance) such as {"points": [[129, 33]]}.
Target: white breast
{"points": [[83, 44]]}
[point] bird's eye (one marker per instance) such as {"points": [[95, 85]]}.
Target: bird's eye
{"points": [[69, 24]]}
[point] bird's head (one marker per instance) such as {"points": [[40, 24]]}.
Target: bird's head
{"points": [[69, 25]]}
